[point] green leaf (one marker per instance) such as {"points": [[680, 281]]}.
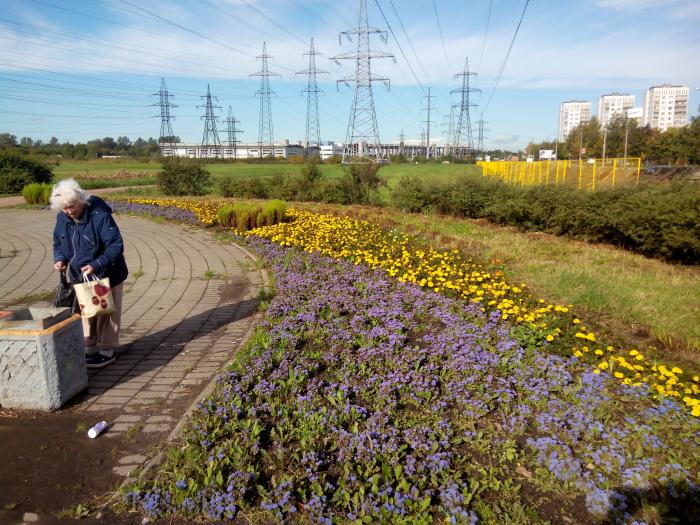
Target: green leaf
{"points": [[425, 504]]}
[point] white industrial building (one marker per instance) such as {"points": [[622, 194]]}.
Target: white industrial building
{"points": [[613, 104], [571, 114], [666, 107], [239, 151]]}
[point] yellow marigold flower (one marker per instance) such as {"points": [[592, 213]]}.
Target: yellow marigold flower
{"points": [[603, 365], [596, 371], [576, 321], [619, 375], [676, 370], [633, 352], [550, 338], [598, 352], [578, 353]]}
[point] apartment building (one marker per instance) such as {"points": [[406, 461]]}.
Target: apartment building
{"points": [[666, 107], [571, 114], [613, 104]]}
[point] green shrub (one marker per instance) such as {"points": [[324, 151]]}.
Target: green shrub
{"points": [[183, 177], [410, 195], [656, 220], [359, 181], [17, 171], [36, 193]]}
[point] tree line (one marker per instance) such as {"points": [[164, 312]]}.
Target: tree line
{"points": [[676, 146], [92, 149]]}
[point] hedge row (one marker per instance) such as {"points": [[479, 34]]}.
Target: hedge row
{"points": [[656, 220], [17, 171], [356, 185]]}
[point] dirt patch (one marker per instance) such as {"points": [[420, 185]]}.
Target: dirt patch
{"points": [[49, 466]]}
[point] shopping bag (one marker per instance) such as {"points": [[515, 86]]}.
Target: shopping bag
{"points": [[94, 297], [64, 295]]}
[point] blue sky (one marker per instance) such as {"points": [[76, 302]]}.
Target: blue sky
{"points": [[82, 69]]}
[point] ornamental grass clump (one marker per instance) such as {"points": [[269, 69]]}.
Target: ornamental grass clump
{"points": [[36, 193], [360, 399]]}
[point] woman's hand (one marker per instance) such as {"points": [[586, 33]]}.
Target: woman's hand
{"points": [[87, 270], [59, 266]]}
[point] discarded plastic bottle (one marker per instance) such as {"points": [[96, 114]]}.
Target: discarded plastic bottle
{"points": [[97, 429]]}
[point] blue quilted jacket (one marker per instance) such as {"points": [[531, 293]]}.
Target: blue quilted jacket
{"points": [[95, 240]]}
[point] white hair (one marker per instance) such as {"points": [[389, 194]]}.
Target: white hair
{"points": [[67, 192]]}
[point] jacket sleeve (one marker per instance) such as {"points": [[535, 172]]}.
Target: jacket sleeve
{"points": [[58, 254], [114, 245]]}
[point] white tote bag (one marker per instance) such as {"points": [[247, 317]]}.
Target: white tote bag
{"points": [[94, 297]]}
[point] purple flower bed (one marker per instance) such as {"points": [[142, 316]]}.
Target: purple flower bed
{"points": [[155, 210], [360, 398]]}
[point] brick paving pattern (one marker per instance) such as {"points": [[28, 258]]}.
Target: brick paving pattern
{"points": [[188, 304]]}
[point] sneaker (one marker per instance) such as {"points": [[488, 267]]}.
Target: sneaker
{"points": [[98, 360]]}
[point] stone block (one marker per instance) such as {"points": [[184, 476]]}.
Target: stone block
{"points": [[42, 360]]}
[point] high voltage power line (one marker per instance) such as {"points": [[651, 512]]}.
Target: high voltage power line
{"points": [[397, 102], [505, 60]]}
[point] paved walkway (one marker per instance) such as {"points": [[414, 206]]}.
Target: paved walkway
{"points": [[188, 303]]}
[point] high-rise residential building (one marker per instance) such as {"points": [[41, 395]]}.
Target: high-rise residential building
{"points": [[571, 114], [611, 105], [666, 107]]}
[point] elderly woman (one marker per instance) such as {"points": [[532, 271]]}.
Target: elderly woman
{"points": [[86, 240]]}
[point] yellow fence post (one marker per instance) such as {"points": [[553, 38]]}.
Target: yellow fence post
{"points": [[549, 167], [639, 167], [614, 170], [593, 185], [580, 172], [556, 177]]}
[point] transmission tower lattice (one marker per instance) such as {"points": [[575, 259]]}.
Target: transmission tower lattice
{"points": [[313, 126], [167, 139], [428, 122], [449, 123], [211, 145], [265, 135], [463, 129], [362, 139], [480, 142], [232, 130]]}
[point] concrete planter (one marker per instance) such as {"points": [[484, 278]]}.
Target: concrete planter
{"points": [[42, 358]]}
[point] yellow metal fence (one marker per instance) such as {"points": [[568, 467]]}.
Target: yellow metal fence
{"points": [[588, 174]]}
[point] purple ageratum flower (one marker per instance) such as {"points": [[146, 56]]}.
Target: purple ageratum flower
{"points": [[601, 503]]}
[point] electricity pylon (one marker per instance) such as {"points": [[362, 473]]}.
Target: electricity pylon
{"points": [[463, 129], [428, 122], [449, 123], [362, 139], [166, 140], [210, 138], [232, 130], [480, 142], [313, 126], [265, 136]]}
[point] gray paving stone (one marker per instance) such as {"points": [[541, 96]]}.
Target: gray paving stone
{"points": [[171, 325]]}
